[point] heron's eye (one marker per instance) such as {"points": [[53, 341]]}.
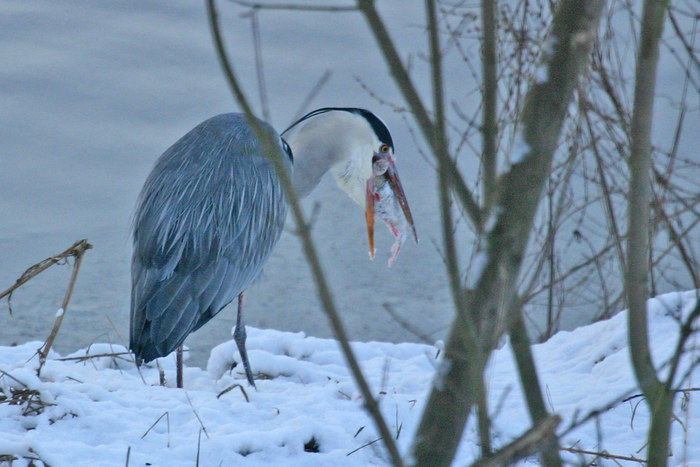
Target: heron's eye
{"points": [[384, 149], [287, 150]]}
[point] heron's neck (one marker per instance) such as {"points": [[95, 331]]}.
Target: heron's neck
{"points": [[337, 141]]}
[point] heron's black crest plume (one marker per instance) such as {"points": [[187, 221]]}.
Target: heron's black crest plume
{"points": [[375, 122]]}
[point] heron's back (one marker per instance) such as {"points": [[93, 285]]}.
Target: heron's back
{"points": [[208, 217]]}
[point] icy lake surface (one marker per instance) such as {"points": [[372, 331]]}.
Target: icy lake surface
{"points": [[91, 93]]}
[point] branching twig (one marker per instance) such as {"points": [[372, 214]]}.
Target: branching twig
{"points": [[635, 396]]}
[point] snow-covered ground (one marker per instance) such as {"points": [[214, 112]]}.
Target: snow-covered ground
{"points": [[307, 410]]}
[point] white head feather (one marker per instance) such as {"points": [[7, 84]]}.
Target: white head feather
{"points": [[338, 141]]}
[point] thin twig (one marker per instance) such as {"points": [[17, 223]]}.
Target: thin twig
{"points": [[687, 329], [288, 6], [424, 338], [312, 95], [259, 66], [605, 455], [606, 192], [199, 445], [692, 57], [635, 396], [489, 128]]}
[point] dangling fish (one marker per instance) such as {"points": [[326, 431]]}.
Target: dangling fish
{"points": [[387, 201]]}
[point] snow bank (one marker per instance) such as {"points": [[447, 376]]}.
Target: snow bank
{"points": [[307, 411]]}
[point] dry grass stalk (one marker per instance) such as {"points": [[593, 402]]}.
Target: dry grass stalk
{"points": [[165, 415], [21, 395], [234, 386], [363, 446], [84, 358], [76, 250]]}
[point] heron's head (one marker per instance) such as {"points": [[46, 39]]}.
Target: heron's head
{"points": [[356, 146]]}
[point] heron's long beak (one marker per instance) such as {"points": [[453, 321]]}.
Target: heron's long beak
{"points": [[369, 215], [384, 171], [392, 176]]}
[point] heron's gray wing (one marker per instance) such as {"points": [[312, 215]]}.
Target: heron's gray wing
{"points": [[208, 217]]}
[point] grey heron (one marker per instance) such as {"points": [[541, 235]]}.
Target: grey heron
{"points": [[212, 209]]}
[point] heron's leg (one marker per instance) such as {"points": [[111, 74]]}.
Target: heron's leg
{"points": [[178, 365], [239, 335]]}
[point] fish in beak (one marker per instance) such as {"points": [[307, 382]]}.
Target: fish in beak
{"points": [[387, 201]]}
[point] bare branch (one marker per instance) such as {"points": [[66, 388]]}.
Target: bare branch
{"points": [[489, 130], [259, 67], [288, 6], [529, 443], [660, 400], [449, 403], [530, 381], [692, 57]]}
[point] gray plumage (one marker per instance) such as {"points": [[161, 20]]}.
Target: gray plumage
{"points": [[212, 209], [208, 217]]}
